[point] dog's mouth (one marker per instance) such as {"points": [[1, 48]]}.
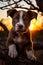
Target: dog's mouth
{"points": [[20, 30]]}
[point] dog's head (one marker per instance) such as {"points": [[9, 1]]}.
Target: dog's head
{"points": [[21, 19]]}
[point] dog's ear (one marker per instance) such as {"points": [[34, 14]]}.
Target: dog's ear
{"points": [[11, 12], [32, 14]]}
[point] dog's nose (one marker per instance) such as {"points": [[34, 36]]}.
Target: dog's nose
{"points": [[20, 26]]}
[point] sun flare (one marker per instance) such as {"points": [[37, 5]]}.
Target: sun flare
{"points": [[36, 24], [30, 27]]}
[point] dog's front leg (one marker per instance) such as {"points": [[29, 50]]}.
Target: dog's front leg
{"points": [[12, 51]]}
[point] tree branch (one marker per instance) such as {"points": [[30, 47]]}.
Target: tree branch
{"points": [[30, 3], [27, 1]]}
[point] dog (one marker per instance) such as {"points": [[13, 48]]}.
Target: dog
{"points": [[18, 40]]}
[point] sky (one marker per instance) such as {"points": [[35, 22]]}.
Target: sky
{"points": [[3, 13]]}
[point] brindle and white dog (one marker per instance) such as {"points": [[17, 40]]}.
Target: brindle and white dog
{"points": [[18, 41]]}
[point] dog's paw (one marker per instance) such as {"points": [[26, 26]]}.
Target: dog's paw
{"points": [[12, 51], [30, 55]]}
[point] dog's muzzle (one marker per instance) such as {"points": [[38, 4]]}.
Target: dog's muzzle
{"points": [[20, 28]]}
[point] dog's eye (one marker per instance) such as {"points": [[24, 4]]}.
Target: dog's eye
{"points": [[16, 19], [26, 20]]}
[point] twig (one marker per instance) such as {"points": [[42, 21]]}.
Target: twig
{"points": [[29, 3]]}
